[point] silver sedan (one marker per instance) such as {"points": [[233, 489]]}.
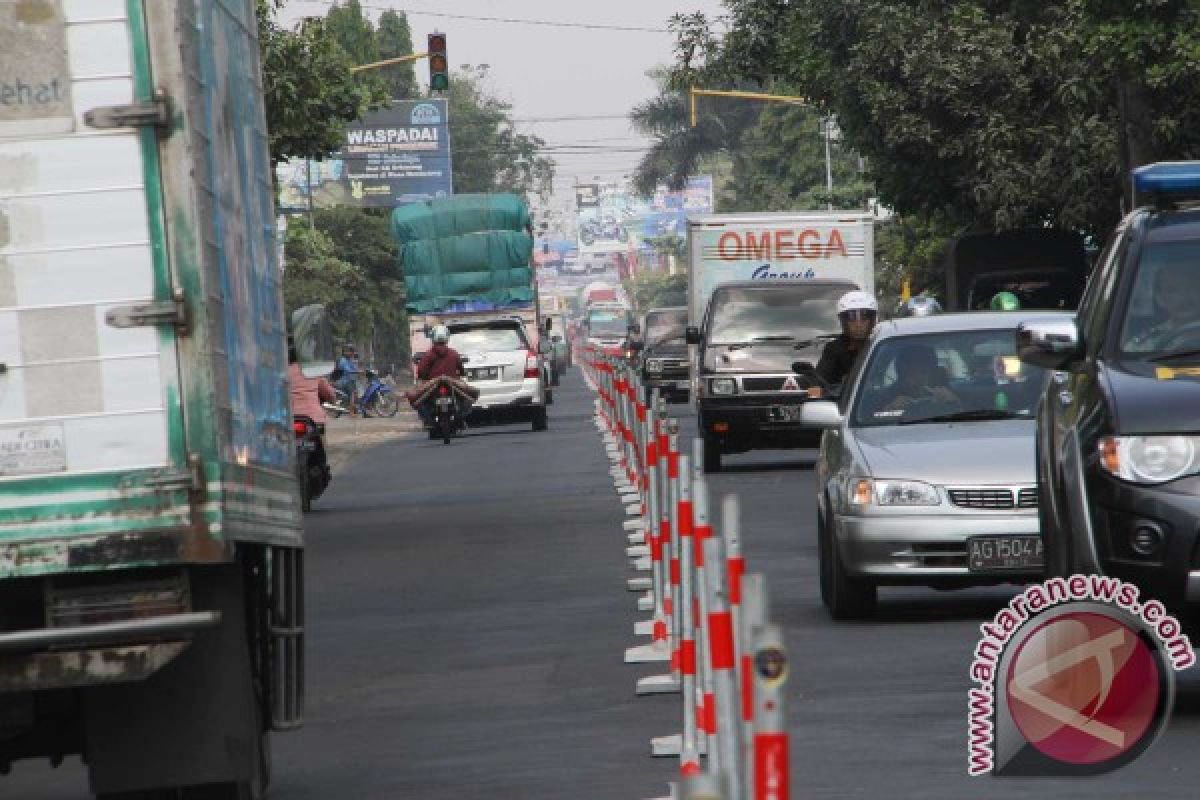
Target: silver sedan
{"points": [[926, 472]]}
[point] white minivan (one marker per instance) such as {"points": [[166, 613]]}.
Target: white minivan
{"points": [[507, 370]]}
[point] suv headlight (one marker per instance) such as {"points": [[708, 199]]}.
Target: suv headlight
{"points": [[866, 491], [1148, 459], [654, 365], [723, 386]]}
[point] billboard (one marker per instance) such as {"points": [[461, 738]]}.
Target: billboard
{"points": [[391, 157]]}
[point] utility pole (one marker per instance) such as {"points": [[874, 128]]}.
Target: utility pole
{"points": [[828, 167]]}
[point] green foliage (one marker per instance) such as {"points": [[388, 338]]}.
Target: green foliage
{"points": [[394, 39], [488, 154], [351, 264], [310, 91], [657, 290], [911, 248]]}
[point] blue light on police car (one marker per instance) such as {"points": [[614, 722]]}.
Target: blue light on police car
{"points": [[1168, 178]]}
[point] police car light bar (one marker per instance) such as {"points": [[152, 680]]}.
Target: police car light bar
{"points": [[1168, 180]]}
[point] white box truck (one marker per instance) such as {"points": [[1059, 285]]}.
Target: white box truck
{"points": [[762, 290]]}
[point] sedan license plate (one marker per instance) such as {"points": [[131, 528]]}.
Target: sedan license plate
{"points": [[483, 374], [1001, 553], [784, 413]]}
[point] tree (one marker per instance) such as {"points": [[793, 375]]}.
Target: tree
{"points": [[488, 154], [394, 39], [310, 92]]}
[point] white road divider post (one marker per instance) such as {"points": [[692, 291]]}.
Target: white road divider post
{"points": [[723, 654], [755, 611], [771, 774], [702, 531], [689, 757]]}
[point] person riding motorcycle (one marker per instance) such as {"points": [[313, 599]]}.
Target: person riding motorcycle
{"points": [[346, 374], [442, 361], [1005, 301], [920, 306], [857, 312], [307, 396]]}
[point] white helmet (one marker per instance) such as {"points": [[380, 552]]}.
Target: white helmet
{"points": [[440, 334], [856, 301]]}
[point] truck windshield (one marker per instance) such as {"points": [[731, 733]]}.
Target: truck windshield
{"points": [[662, 326], [607, 325], [958, 376], [773, 313], [486, 340]]}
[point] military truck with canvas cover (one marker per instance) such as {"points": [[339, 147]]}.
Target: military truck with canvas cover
{"points": [[150, 526]]}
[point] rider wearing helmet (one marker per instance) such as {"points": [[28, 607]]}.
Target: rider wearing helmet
{"points": [[442, 360], [857, 312], [1005, 301], [920, 306]]}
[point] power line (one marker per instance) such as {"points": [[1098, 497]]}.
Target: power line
{"points": [[591, 26]]}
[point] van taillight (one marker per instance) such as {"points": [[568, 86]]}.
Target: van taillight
{"points": [[532, 368]]}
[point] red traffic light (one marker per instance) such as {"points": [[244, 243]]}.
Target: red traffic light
{"points": [[437, 43], [439, 65]]}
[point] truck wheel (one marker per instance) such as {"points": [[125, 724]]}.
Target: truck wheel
{"points": [[540, 421], [712, 454]]}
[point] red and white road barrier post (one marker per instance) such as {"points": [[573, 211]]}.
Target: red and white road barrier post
{"points": [[660, 647], [701, 532], [771, 777], [753, 617], [663, 549], [723, 653], [689, 756]]}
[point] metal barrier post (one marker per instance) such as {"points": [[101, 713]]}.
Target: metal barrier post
{"points": [[689, 756], [724, 656], [702, 531]]}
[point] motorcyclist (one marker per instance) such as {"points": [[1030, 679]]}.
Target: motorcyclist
{"points": [[1005, 301], [307, 396], [857, 312], [347, 377], [442, 361]]}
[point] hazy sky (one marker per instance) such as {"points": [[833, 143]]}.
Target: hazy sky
{"points": [[554, 72]]}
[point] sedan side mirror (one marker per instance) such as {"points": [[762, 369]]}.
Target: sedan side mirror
{"points": [[821, 414], [1051, 343], [691, 335]]}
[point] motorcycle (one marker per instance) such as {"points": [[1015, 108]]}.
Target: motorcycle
{"points": [[312, 466], [448, 401], [377, 400]]}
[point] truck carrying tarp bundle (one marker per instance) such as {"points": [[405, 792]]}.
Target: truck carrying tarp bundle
{"points": [[470, 252]]}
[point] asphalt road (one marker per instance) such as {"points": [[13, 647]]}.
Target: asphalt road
{"points": [[467, 619]]}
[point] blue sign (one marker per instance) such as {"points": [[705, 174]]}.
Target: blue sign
{"points": [[391, 157]]}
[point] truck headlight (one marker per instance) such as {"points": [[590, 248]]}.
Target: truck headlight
{"points": [[723, 386], [866, 491], [1148, 459], [654, 365]]}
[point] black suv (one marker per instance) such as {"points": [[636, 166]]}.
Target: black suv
{"points": [[663, 352], [1118, 448]]}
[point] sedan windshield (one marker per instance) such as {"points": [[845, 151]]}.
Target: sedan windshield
{"points": [[958, 376], [487, 340], [779, 313]]}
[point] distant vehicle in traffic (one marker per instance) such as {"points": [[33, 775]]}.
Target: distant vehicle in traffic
{"points": [[663, 352], [927, 476], [506, 369], [606, 326], [1118, 447], [1044, 268]]}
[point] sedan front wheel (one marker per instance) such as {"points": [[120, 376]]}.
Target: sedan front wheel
{"points": [[845, 596]]}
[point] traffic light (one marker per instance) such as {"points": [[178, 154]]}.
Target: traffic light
{"points": [[439, 66]]}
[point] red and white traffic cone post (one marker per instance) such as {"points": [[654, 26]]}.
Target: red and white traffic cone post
{"points": [[771, 776], [753, 617], [660, 648], [723, 658], [662, 547], [689, 756]]}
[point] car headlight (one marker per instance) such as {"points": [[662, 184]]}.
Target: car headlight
{"points": [[654, 365], [1148, 459], [723, 386], [893, 493]]}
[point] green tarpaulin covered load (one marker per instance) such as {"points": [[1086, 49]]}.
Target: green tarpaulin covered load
{"points": [[468, 252]]}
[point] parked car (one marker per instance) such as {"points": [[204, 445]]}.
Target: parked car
{"points": [[509, 373], [1118, 447], [926, 470]]}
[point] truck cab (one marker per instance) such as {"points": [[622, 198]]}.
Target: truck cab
{"points": [[746, 393]]}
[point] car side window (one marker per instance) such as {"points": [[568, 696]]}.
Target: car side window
{"points": [[1094, 321]]}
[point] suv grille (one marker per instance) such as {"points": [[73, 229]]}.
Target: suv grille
{"points": [[763, 384], [1027, 498], [982, 498]]}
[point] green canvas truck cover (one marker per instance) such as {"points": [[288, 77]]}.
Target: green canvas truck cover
{"points": [[469, 251]]}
